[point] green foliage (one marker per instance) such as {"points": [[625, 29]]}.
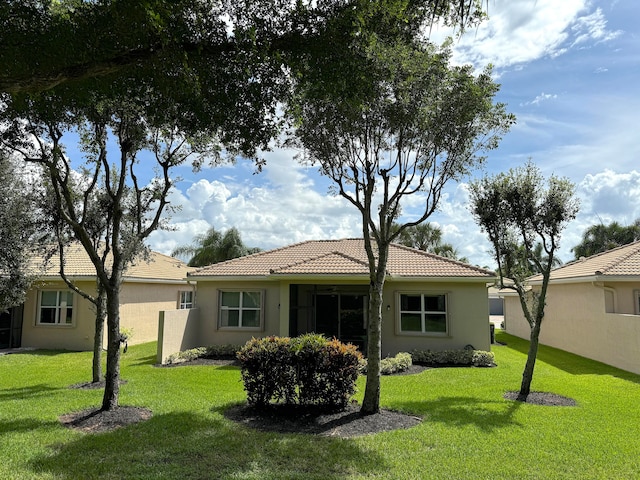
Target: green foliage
{"points": [[305, 370], [600, 238], [390, 365], [214, 247], [468, 357], [212, 351]]}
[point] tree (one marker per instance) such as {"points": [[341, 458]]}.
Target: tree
{"points": [[214, 247], [128, 211], [403, 123], [428, 237], [18, 227], [518, 212], [600, 238], [49, 44]]}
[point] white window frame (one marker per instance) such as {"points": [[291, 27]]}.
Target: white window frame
{"points": [[223, 309], [60, 308], [183, 303], [423, 313]]}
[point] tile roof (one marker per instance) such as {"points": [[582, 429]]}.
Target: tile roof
{"points": [[78, 264], [620, 262], [340, 257]]}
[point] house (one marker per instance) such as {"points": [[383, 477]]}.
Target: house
{"points": [[430, 302], [592, 308], [53, 316]]}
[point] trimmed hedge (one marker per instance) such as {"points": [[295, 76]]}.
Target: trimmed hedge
{"points": [[213, 351], [305, 370], [469, 357]]}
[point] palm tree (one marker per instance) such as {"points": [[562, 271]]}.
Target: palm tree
{"points": [[600, 238], [214, 247], [428, 237]]}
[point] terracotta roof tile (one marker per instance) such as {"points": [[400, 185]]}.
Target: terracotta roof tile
{"points": [[339, 257], [620, 262], [78, 264]]}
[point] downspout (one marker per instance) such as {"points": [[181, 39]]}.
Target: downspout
{"points": [[611, 290]]}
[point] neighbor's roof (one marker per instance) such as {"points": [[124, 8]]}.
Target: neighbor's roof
{"points": [[77, 264], [340, 258], [620, 263]]}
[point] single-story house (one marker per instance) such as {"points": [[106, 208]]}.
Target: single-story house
{"points": [[55, 317], [430, 302], [592, 308]]}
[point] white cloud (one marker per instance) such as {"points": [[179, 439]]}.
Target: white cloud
{"points": [[520, 31]]}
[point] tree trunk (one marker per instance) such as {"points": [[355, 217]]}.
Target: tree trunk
{"points": [[371, 401], [112, 377], [527, 374], [101, 307]]}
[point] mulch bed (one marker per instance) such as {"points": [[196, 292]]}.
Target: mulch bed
{"points": [[99, 421], [345, 423], [543, 398]]}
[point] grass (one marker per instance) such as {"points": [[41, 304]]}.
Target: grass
{"points": [[469, 430]]}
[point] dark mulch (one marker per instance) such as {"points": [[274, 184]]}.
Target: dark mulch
{"points": [[544, 398], [203, 361], [346, 423], [98, 421]]}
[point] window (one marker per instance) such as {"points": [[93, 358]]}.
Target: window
{"points": [[241, 309], [423, 313], [56, 307], [186, 300], [636, 294]]}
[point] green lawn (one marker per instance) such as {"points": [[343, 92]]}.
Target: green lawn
{"points": [[469, 430]]}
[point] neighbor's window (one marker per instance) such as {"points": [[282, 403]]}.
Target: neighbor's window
{"points": [[423, 313], [186, 300], [56, 307], [241, 309], [637, 302]]}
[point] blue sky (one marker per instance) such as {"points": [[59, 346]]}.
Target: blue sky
{"points": [[570, 72]]}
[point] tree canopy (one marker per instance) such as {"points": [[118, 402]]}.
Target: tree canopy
{"points": [[600, 238], [214, 247], [428, 237], [400, 122], [523, 215], [19, 224]]}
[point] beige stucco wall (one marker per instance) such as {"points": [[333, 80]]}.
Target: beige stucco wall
{"points": [[78, 336], [177, 331], [576, 320], [467, 312], [140, 303], [468, 315]]}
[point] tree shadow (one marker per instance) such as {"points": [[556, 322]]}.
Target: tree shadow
{"points": [[566, 361], [189, 445], [28, 392], [487, 415], [24, 425]]}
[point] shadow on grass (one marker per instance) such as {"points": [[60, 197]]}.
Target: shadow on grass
{"points": [[565, 361], [462, 411], [188, 445], [24, 425], [148, 360], [24, 393]]}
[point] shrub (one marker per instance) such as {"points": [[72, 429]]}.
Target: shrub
{"points": [[307, 370], [213, 351], [390, 365], [186, 355], [469, 357]]}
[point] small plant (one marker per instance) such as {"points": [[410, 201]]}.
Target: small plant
{"points": [[125, 335]]}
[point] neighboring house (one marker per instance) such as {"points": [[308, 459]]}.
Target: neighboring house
{"points": [[430, 302], [592, 308], [55, 317]]}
